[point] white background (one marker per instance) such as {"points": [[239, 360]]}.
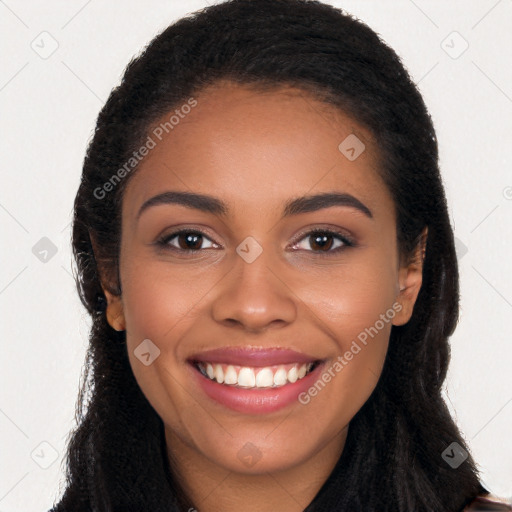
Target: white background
{"points": [[49, 107]]}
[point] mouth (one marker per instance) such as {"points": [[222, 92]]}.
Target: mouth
{"points": [[253, 380], [247, 377]]}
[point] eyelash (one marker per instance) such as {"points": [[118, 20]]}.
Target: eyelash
{"points": [[163, 241]]}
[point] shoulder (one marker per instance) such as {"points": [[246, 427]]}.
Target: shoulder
{"points": [[489, 503]]}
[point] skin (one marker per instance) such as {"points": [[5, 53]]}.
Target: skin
{"points": [[256, 150]]}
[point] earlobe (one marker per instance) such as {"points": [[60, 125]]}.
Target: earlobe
{"points": [[114, 309], [115, 313], [410, 279]]}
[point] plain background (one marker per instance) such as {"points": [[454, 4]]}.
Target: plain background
{"points": [[49, 103]]}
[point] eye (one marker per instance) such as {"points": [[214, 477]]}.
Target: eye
{"points": [[187, 240], [324, 241], [319, 240]]}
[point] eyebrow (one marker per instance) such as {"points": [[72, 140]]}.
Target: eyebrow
{"points": [[215, 206]]}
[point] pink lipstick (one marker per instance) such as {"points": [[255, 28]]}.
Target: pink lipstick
{"points": [[254, 380]]}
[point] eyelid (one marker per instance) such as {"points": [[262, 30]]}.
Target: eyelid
{"points": [[174, 230]]}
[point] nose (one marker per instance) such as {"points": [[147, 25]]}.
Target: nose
{"points": [[254, 296]]}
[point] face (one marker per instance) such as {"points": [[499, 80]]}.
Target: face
{"points": [[256, 290]]}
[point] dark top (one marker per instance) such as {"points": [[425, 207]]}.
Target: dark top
{"points": [[489, 503]]}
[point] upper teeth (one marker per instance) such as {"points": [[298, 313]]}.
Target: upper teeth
{"points": [[247, 377]]}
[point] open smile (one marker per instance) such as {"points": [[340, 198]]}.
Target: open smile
{"points": [[254, 381]]}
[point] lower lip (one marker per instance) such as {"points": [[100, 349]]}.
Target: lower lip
{"points": [[255, 401]]}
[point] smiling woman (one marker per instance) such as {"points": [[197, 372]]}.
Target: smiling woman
{"points": [[273, 285]]}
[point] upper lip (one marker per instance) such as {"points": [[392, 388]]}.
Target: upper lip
{"points": [[252, 356]]}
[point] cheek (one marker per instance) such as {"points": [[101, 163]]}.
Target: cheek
{"points": [[356, 313], [160, 301], [347, 299], [160, 306], [354, 306]]}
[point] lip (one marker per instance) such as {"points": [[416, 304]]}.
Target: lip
{"points": [[254, 401], [252, 356]]}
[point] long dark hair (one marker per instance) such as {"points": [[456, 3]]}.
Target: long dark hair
{"points": [[393, 457]]}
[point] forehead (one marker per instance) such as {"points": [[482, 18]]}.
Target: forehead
{"points": [[256, 149]]}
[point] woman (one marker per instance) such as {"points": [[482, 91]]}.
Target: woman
{"points": [[263, 243]]}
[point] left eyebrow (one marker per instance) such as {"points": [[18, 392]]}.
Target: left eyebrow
{"points": [[316, 202], [215, 206]]}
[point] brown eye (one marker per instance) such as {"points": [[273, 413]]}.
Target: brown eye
{"points": [[319, 241], [324, 241], [190, 241], [186, 241]]}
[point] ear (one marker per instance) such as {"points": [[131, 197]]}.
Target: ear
{"points": [[410, 278], [114, 312]]}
